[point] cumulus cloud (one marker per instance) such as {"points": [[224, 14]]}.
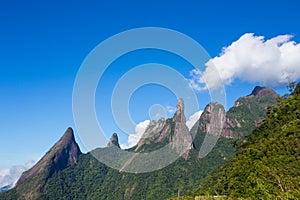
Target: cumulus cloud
{"points": [[135, 137], [193, 119], [10, 176], [273, 62]]}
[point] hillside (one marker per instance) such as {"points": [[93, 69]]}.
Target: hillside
{"points": [[94, 180], [87, 178], [267, 166], [63, 154]]}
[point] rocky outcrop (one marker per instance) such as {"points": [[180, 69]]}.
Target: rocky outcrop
{"points": [[114, 141], [229, 126], [182, 140], [179, 116], [213, 119]]}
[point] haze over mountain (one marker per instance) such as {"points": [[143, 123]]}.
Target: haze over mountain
{"points": [[64, 172]]}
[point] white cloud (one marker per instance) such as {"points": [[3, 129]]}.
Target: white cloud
{"points": [[171, 109], [135, 137], [10, 176], [274, 62], [193, 119]]}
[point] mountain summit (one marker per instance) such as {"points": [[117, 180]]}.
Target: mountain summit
{"points": [[179, 114], [63, 154], [114, 141], [262, 91]]}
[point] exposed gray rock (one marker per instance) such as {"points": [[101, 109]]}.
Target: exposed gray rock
{"points": [[114, 141], [181, 140]]}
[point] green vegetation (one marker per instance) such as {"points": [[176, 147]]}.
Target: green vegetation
{"points": [[90, 179], [267, 165], [248, 111]]}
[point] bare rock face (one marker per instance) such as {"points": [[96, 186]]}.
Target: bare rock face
{"points": [[228, 127], [182, 140], [179, 116], [214, 118], [63, 154], [114, 141]]}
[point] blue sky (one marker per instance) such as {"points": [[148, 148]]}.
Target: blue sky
{"points": [[43, 43]]}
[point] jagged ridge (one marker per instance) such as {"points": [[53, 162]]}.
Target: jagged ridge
{"points": [[171, 131], [184, 173]]}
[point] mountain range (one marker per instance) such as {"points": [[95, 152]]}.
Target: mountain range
{"points": [[64, 172]]}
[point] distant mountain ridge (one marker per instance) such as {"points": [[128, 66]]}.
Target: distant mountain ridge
{"points": [[64, 172]]}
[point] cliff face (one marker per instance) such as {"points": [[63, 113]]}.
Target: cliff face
{"points": [[63, 154], [213, 117], [182, 139]]}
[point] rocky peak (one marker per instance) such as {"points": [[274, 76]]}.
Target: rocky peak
{"points": [[179, 114], [63, 154], [214, 118], [182, 139], [259, 91], [114, 141]]}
